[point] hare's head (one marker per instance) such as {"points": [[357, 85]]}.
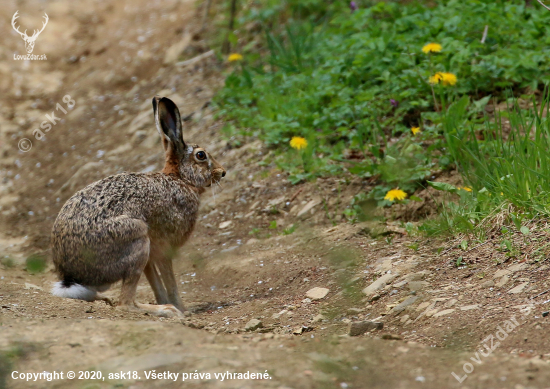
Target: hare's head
{"points": [[190, 162]]}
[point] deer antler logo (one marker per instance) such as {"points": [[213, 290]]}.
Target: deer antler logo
{"points": [[29, 40]]}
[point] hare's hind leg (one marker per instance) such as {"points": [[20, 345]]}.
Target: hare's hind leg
{"points": [[138, 257]]}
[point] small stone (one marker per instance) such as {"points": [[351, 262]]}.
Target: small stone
{"points": [[444, 312], [225, 224], [274, 202], [318, 318], [501, 273], [405, 318], [518, 289], [384, 265], [400, 284], [302, 329], [32, 286], [417, 285], [357, 328], [276, 316], [379, 283], [422, 306], [309, 206], [469, 307], [317, 293], [431, 312], [253, 325], [517, 267], [401, 307], [488, 284], [503, 281], [450, 303], [374, 298]]}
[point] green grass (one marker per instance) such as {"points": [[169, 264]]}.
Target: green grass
{"points": [[505, 162], [353, 84]]}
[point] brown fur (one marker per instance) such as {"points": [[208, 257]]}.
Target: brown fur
{"points": [[131, 223]]}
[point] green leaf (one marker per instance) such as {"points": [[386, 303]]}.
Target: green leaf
{"points": [[524, 230], [443, 186]]}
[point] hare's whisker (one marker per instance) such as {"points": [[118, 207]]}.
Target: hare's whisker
{"points": [[213, 193]]}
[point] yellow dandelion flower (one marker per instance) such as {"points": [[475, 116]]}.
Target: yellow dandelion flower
{"points": [[235, 57], [467, 189], [298, 143], [435, 78], [432, 48], [415, 130], [395, 194], [447, 79]]}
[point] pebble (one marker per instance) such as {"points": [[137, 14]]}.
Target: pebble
{"points": [[417, 285], [225, 224], [450, 303], [401, 307], [276, 316], [309, 206], [317, 293], [502, 281], [518, 289], [253, 325], [300, 330], [379, 283], [422, 306], [444, 312], [469, 307], [32, 286], [318, 318], [488, 284]]}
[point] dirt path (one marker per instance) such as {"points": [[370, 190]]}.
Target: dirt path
{"points": [[260, 246]]}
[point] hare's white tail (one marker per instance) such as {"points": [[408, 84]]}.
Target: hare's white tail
{"points": [[74, 291]]}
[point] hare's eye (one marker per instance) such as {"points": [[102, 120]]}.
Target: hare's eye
{"points": [[201, 155]]}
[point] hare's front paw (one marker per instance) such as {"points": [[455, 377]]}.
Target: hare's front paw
{"points": [[164, 310]]}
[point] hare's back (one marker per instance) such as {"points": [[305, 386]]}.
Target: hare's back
{"points": [[124, 193]]}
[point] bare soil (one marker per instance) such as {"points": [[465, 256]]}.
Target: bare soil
{"points": [[437, 311]]}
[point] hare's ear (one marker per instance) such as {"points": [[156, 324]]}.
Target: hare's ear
{"points": [[168, 121]]}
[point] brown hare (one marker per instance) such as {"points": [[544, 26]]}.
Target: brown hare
{"points": [[133, 223]]}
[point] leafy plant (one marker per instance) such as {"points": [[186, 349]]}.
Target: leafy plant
{"points": [[356, 84]]}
